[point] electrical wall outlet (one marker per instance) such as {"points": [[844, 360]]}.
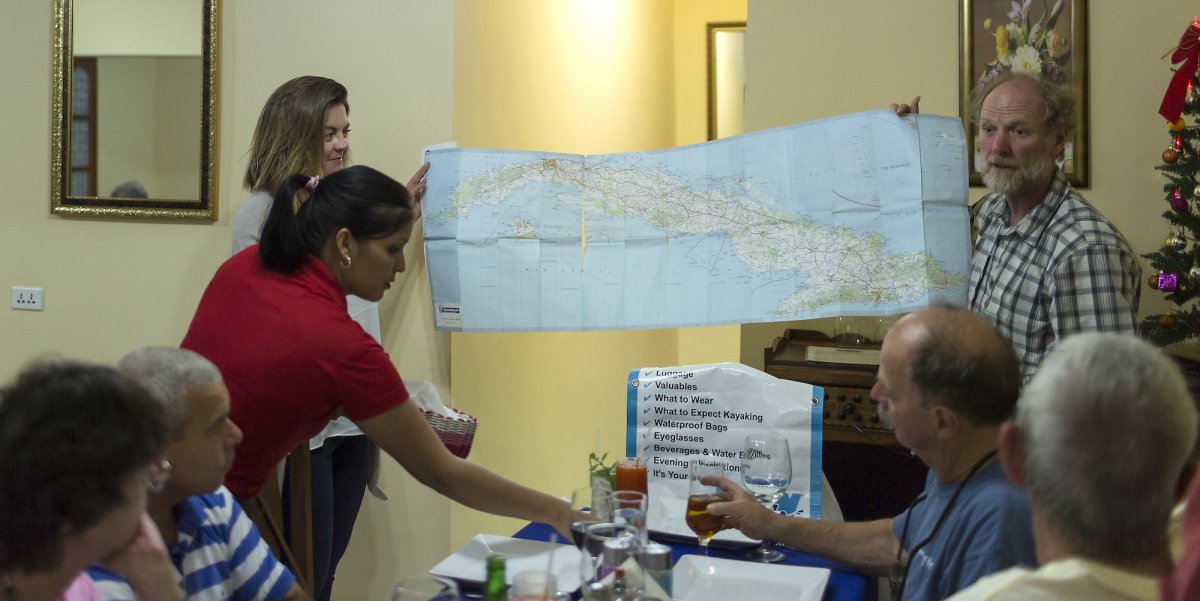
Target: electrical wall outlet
{"points": [[27, 299]]}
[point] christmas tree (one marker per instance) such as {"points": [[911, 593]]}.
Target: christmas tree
{"points": [[1177, 264]]}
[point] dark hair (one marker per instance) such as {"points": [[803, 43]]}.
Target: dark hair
{"points": [[70, 437], [288, 136], [964, 364], [359, 198]]}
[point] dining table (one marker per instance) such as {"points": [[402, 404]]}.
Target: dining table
{"points": [[844, 583]]}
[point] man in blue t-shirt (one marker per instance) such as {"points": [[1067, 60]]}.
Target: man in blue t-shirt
{"points": [[212, 543], [947, 381]]}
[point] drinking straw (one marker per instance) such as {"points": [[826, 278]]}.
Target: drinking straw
{"points": [[549, 568]]}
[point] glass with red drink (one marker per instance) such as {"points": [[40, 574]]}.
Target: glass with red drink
{"points": [[631, 475]]}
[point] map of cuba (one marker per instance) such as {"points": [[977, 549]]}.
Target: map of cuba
{"points": [[861, 214]]}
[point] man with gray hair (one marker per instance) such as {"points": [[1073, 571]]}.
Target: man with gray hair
{"points": [[947, 381], [1101, 436], [212, 543]]}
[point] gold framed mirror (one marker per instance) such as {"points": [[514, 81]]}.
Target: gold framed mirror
{"points": [[134, 109]]}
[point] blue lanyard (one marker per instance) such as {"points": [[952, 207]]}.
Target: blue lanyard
{"points": [[899, 572]]}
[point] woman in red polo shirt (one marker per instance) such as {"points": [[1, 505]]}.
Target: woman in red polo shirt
{"points": [[274, 320]]}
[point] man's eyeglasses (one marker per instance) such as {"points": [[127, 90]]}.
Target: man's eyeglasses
{"points": [[160, 472]]}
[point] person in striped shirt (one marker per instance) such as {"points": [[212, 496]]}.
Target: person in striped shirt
{"points": [[213, 544]]}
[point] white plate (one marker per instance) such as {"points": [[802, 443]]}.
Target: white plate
{"points": [[469, 563], [666, 516], [697, 578]]}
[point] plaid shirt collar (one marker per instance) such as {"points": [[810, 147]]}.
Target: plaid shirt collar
{"points": [[1035, 222]]}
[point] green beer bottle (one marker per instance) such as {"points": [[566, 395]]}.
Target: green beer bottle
{"points": [[495, 588]]}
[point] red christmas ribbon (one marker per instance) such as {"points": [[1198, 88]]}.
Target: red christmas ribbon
{"points": [[1187, 52]]}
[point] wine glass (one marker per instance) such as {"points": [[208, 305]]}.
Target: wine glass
{"points": [[593, 544], [630, 507], [766, 472], [846, 331], [700, 495], [598, 504], [423, 587]]}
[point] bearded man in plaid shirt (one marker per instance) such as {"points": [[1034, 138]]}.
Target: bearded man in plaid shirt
{"points": [[1046, 263]]}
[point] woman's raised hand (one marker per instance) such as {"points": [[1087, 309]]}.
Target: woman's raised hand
{"points": [[416, 187]]}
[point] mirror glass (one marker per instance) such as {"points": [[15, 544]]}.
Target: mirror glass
{"points": [[134, 108]]}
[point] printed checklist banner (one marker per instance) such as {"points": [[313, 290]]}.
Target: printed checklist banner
{"points": [[674, 413]]}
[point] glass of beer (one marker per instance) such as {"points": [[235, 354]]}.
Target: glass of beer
{"points": [[700, 495]]}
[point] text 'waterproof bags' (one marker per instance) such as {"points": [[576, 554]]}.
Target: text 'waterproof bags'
{"points": [[674, 413]]}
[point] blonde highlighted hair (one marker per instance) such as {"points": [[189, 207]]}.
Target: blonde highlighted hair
{"points": [[290, 132]]}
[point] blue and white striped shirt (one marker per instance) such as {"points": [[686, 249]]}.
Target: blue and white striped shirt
{"points": [[219, 555]]}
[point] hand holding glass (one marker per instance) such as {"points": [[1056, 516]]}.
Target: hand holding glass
{"points": [[700, 495], [766, 472], [596, 502]]}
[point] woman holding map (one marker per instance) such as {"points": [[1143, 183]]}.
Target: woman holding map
{"points": [[274, 320], [305, 128]]}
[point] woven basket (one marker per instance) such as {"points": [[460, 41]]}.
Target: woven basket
{"points": [[457, 432]]}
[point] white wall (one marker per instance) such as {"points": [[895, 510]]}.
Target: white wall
{"points": [[115, 285], [137, 27]]}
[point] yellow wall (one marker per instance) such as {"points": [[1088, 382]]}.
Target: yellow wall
{"points": [[582, 77], [691, 62], [718, 343]]}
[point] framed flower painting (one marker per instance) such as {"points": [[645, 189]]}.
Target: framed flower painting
{"points": [[1043, 37]]}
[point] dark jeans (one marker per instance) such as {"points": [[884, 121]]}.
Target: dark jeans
{"points": [[340, 470]]}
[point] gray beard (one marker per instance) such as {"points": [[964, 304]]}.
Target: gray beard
{"points": [[1021, 179]]}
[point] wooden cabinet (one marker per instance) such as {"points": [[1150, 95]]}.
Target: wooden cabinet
{"points": [[871, 475]]}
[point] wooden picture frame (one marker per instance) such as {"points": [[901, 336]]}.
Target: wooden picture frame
{"points": [[1058, 52]]}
